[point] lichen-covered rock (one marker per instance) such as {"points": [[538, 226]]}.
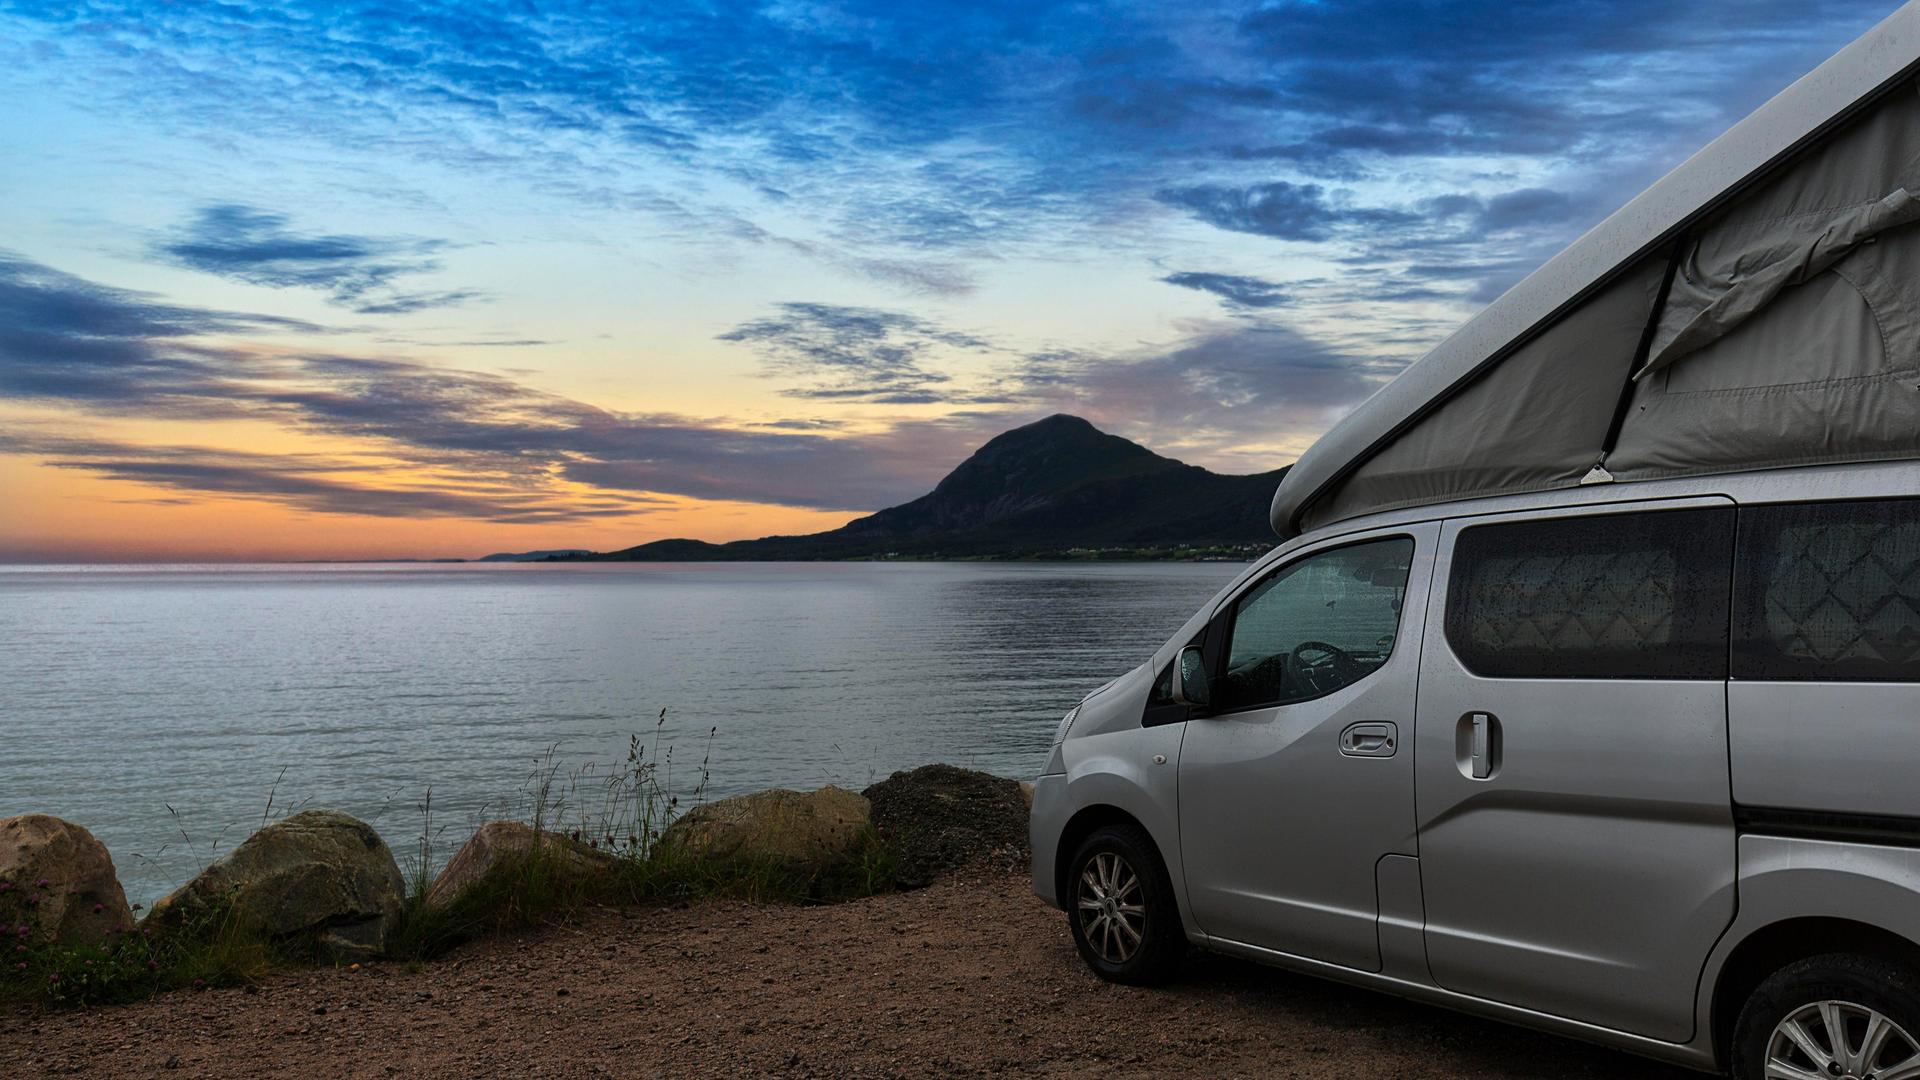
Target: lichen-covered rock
{"points": [[58, 881], [319, 876], [938, 818], [811, 830], [498, 842]]}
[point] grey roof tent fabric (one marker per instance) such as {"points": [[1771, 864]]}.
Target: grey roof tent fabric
{"points": [[1758, 307]]}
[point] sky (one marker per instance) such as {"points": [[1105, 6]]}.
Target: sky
{"points": [[335, 281]]}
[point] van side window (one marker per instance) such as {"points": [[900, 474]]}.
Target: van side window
{"points": [[1616, 596], [1829, 591], [1315, 626]]}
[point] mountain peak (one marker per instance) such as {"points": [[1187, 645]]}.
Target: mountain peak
{"points": [[1055, 484], [1056, 428], [1038, 460]]}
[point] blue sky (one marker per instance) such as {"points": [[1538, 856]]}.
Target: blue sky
{"points": [[341, 279]]}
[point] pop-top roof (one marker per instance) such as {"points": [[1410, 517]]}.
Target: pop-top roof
{"points": [[1614, 294]]}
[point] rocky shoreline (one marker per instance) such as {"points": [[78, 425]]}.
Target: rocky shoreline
{"points": [[321, 887], [970, 976]]}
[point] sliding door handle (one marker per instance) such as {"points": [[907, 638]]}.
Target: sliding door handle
{"points": [[1477, 745]]}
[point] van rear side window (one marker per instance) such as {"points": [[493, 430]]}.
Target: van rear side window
{"points": [[1616, 596], [1829, 591]]}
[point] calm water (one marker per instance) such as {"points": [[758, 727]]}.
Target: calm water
{"points": [[126, 690]]}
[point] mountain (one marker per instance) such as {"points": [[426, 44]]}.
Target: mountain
{"points": [[533, 556], [1054, 487]]}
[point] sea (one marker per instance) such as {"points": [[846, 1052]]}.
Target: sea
{"points": [[172, 710]]}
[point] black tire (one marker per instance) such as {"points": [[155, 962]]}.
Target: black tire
{"points": [[1109, 951], [1862, 981]]}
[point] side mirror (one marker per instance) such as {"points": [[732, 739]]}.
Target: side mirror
{"points": [[1190, 679]]}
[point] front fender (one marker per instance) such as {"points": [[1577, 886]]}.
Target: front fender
{"points": [[1137, 772]]}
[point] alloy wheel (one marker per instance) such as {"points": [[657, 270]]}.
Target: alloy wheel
{"points": [[1838, 1040], [1112, 913]]}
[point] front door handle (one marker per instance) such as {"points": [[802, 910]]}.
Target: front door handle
{"points": [[1369, 740]]}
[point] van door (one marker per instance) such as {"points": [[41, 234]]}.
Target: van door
{"points": [[1298, 779], [1576, 824]]}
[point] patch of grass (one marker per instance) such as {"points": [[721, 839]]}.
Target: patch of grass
{"points": [[598, 844], [544, 886], [220, 948]]}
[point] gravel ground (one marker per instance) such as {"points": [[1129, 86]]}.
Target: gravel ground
{"points": [[970, 976]]}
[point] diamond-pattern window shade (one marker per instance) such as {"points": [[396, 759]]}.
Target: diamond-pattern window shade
{"points": [[1619, 596], [1830, 591]]}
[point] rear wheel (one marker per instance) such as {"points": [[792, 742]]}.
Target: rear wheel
{"points": [[1835, 1017], [1120, 904]]}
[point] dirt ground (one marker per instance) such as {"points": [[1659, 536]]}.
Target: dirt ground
{"points": [[971, 976]]}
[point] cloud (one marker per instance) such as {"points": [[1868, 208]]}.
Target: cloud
{"points": [[435, 441], [315, 484], [1459, 246], [1278, 209], [1233, 289], [1241, 396], [494, 448], [357, 272], [63, 337], [855, 353], [922, 142], [1533, 77]]}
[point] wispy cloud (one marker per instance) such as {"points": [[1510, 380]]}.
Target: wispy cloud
{"points": [[856, 354], [1277, 209], [947, 126], [318, 484], [261, 247], [102, 350], [1235, 290], [63, 337], [438, 441]]}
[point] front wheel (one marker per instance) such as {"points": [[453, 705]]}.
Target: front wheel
{"points": [[1120, 904], [1835, 1017]]}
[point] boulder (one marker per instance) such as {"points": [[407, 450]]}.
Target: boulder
{"points": [[939, 818], [58, 881], [497, 842], [810, 830], [318, 877]]}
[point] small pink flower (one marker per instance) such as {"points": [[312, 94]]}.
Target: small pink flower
{"points": [[54, 978], [153, 965], [5, 885], [21, 966], [98, 908]]}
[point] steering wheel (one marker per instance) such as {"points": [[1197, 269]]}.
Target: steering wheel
{"points": [[1332, 669]]}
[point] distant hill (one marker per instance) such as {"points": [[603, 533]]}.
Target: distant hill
{"points": [[534, 556], [1057, 487]]}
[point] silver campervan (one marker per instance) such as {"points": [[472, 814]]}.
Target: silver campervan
{"points": [[1584, 688]]}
